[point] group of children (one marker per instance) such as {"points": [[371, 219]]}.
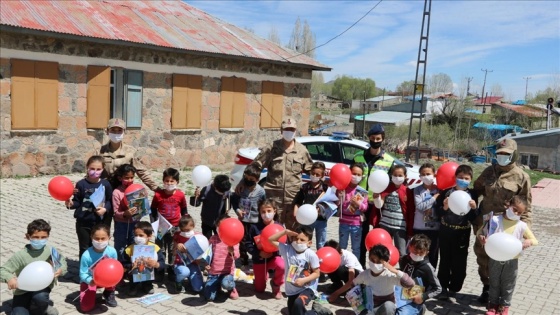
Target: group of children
{"points": [[419, 222]]}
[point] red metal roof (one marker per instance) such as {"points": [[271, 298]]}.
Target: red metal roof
{"points": [[525, 110], [172, 24], [488, 100]]}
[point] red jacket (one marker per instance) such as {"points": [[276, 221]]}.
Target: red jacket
{"points": [[406, 198]]}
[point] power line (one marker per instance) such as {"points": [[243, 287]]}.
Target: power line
{"points": [[337, 36]]}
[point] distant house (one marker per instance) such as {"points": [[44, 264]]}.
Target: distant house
{"points": [[376, 103], [484, 104], [384, 117], [538, 149], [533, 116], [329, 102], [192, 88]]}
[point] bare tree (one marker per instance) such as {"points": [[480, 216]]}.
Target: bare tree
{"points": [[273, 36], [497, 90], [406, 88], [439, 82], [302, 39], [317, 83]]}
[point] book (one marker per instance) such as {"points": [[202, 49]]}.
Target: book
{"points": [[140, 271], [295, 272], [138, 199], [92, 267], [56, 259], [327, 209], [404, 296], [153, 299], [195, 252], [163, 226], [360, 299], [98, 196], [490, 226]]}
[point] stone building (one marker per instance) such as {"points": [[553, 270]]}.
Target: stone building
{"points": [[192, 88]]}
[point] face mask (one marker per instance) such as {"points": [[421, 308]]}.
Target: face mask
{"points": [[376, 268], [427, 180], [415, 257], [170, 187], [139, 240], [116, 137], [356, 179], [299, 247], [288, 135], [249, 183], [503, 160], [267, 216], [375, 144], [126, 183], [314, 179], [511, 215], [188, 234], [38, 244], [94, 174], [99, 245], [397, 180], [462, 184]]}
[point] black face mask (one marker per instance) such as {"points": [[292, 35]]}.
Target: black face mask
{"points": [[249, 183], [375, 145]]}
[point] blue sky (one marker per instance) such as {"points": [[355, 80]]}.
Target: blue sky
{"points": [[515, 39]]}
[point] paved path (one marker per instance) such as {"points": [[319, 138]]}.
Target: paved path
{"points": [[22, 200], [546, 193]]}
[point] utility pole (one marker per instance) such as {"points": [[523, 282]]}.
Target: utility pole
{"points": [[382, 100], [364, 117], [483, 86], [526, 86], [469, 85]]}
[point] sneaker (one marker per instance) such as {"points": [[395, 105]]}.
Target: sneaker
{"points": [[322, 278], [233, 294], [503, 310], [275, 290], [51, 310], [320, 309], [483, 298], [444, 295], [148, 288], [110, 298], [178, 287], [452, 294], [133, 289], [492, 309]]}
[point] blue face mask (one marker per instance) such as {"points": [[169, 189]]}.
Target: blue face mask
{"points": [[38, 244], [462, 184]]}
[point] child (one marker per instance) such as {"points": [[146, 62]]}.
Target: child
{"points": [[305, 264], [425, 219], [354, 205], [38, 232], [100, 236], [308, 194], [221, 268], [215, 203], [394, 209], [381, 278], [171, 203], [503, 274], [264, 261], [417, 266], [86, 213], [454, 235], [124, 225], [190, 271], [349, 268], [143, 232], [246, 204]]}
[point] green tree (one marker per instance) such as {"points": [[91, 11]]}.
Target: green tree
{"points": [[348, 88]]}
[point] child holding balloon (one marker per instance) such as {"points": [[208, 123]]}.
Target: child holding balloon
{"points": [[124, 224], [100, 236], [265, 256], [503, 274], [349, 268], [190, 271], [38, 232]]}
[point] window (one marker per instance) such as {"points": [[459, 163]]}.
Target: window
{"points": [[348, 153], [233, 101], [114, 93], [186, 110], [272, 104], [531, 160], [323, 151], [34, 94]]}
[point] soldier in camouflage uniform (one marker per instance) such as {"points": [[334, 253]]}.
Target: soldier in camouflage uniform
{"points": [[498, 184]]}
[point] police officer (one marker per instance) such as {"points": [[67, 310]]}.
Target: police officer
{"points": [[372, 159], [285, 159], [498, 184]]}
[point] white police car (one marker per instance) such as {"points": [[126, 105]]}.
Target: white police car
{"points": [[339, 148]]}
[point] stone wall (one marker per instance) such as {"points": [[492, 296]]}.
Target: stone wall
{"points": [[64, 150]]}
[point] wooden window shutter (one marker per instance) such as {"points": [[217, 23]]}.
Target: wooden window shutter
{"points": [[277, 105], [194, 102], [23, 94], [133, 95], [239, 103], [186, 109], [226, 102], [46, 95], [272, 104], [98, 96]]}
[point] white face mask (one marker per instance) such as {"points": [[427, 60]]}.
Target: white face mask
{"points": [[116, 137], [99, 245], [140, 240], [397, 180], [376, 268], [288, 135], [511, 215], [415, 257], [503, 160], [268, 216], [169, 187], [188, 234], [427, 180], [314, 179], [299, 247], [356, 179]]}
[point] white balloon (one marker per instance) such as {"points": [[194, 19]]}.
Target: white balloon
{"points": [[378, 181], [201, 175], [502, 246], [202, 242], [306, 214], [36, 276], [459, 202]]}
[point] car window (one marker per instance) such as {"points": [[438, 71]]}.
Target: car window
{"points": [[323, 151], [348, 153]]}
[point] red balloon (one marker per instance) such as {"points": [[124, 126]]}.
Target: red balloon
{"points": [[133, 187], [394, 255], [108, 273], [267, 232], [378, 236], [340, 176], [61, 188], [231, 231], [445, 176], [329, 259]]}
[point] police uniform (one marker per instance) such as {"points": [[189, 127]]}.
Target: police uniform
{"points": [[498, 184]]}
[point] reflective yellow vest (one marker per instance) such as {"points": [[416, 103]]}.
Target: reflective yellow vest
{"points": [[383, 164]]}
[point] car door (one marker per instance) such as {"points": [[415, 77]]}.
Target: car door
{"points": [[348, 152], [326, 152]]}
